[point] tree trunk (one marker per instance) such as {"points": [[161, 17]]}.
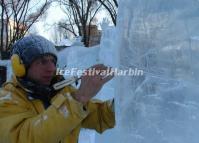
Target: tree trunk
{"points": [[2, 28]]}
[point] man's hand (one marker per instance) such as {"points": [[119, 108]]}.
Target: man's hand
{"points": [[92, 81]]}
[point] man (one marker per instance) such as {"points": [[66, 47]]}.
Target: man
{"points": [[32, 111]]}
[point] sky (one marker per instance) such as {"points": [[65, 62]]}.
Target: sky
{"points": [[55, 14]]}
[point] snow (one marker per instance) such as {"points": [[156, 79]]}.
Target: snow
{"points": [[77, 41], [65, 42]]}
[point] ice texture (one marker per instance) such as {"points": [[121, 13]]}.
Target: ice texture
{"points": [[161, 38]]}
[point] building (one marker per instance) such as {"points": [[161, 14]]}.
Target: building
{"points": [[95, 35]]}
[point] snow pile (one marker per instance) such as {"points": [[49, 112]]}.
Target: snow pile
{"points": [[65, 42], [78, 41], [159, 37]]}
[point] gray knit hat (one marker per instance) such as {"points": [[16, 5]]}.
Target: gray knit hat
{"points": [[33, 46]]}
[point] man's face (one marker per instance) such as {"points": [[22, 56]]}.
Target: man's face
{"points": [[42, 70]]}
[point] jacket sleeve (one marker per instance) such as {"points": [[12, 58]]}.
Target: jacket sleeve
{"points": [[20, 124], [101, 115]]}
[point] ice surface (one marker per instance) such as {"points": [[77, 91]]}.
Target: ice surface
{"points": [[108, 52], [78, 57], [161, 38]]}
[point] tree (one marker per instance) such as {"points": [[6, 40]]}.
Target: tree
{"points": [[58, 33], [17, 17], [80, 14], [111, 6]]}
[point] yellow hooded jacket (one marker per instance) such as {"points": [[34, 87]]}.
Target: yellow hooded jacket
{"points": [[24, 120]]}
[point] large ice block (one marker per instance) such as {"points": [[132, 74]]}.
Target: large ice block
{"points": [[159, 37]]}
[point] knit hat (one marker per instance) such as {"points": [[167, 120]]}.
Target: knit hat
{"points": [[31, 47]]}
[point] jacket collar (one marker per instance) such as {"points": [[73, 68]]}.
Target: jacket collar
{"points": [[35, 90]]}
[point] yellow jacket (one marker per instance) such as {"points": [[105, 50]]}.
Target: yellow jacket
{"points": [[23, 120]]}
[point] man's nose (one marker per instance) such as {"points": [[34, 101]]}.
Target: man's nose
{"points": [[50, 66]]}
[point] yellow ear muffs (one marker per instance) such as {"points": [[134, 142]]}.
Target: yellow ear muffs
{"points": [[17, 66]]}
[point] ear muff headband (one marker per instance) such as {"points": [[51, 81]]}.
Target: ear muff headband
{"points": [[17, 66]]}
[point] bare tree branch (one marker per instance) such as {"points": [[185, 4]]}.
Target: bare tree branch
{"points": [[17, 17], [80, 12], [111, 6]]}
